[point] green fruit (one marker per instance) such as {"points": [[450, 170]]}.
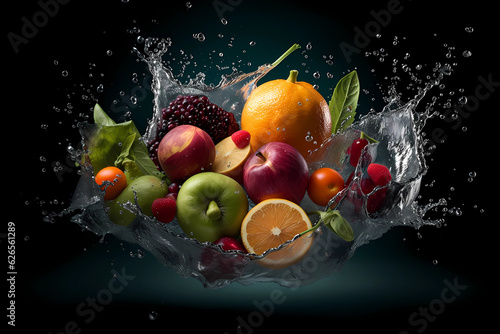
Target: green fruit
{"points": [[211, 206], [147, 188]]}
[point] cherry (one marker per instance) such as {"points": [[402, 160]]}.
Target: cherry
{"points": [[229, 243], [355, 150]]}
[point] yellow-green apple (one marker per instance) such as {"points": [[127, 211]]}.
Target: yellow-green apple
{"points": [[210, 206], [276, 170], [185, 151]]}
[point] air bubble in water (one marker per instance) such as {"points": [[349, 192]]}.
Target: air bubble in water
{"points": [[309, 46], [223, 21], [462, 100], [316, 75], [466, 53], [109, 53], [469, 29]]}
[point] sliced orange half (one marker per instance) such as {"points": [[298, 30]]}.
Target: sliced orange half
{"points": [[229, 159], [271, 223]]}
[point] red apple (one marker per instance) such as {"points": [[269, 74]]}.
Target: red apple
{"points": [[184, 151], [276, 170]]}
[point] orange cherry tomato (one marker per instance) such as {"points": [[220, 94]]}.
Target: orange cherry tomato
{"points": [[113, 180], [323, 185]]}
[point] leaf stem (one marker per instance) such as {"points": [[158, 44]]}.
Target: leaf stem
{"points": [[286, 54]]}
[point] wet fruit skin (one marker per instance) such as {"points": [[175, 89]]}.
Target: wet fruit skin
{"points": [[210, 206], [185, 151], [288, 111], [116, 177], [324, 184], [276, 170], [196, 110], [147, 188], [355, 150]]}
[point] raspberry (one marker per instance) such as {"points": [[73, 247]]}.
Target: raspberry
{"points": [[194, 110], [164, 209], [379, 174], [241, 138]]}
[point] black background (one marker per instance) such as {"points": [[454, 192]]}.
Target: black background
{"points": [[78, 37]]}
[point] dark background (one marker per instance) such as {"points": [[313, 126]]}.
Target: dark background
{"points": [[385, 282]]}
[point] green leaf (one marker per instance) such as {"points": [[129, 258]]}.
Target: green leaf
{"points": [[344, 102], [335, 222], [100, 117], [340, 226], [119, 145]]}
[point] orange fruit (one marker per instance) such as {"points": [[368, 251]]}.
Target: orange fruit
{"points": [[229, 159], [288, 111], [271, 223], [112, 180]]}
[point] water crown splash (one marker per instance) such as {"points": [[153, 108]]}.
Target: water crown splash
{"points": [[398, 129]]}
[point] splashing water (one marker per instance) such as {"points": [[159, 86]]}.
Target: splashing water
{"points": [[398, 128]]}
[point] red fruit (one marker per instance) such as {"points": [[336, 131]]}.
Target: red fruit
{"points": [[229, 243], [375, 200], [164, 209], [194, 110], [241, 138], [379, 174], [355, 150]]}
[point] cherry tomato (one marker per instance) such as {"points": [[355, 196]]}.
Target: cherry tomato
{"points": [[323, 185], [115, 179]]}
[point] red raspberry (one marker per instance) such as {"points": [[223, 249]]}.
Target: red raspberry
{"points": [[379, 174], [164, 209], [241, 138]]}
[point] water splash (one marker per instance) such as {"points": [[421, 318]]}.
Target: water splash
{"points": [[398, 128]]}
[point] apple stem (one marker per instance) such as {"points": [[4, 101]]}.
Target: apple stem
{"points": [[286, 54], [260, 155], [213, 211], [293, 76]]}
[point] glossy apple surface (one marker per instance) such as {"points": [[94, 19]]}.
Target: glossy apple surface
{"points": [[184, 151], [211, 206], [276, 170]]}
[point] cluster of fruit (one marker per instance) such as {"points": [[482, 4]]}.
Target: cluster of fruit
{"points": [[283, 122]]}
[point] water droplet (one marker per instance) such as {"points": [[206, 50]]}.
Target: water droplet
{"points": [[100, 88], [153, 315], [378, 35], [466, 53], [199, 36], [252, 43]]}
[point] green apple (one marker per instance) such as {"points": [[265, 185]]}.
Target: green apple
{"points": [[147, 188], [210, 206]]}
